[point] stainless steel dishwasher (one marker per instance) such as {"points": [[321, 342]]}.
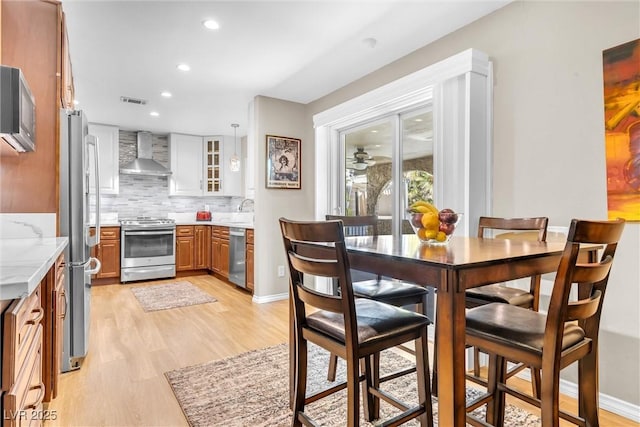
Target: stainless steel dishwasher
{"points": [[237, 256]]}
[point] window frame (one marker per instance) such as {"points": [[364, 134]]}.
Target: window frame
{"points": [[460, 89]]}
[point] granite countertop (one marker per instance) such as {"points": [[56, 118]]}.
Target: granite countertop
{"points": [[25, 262], [191, 222], [225, 219], [221, 223]]}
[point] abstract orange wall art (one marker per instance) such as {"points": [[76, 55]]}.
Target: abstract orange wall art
{"points": [[622, 129]]}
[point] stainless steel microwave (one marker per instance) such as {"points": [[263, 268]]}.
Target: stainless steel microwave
{"points": [[17, 110]]}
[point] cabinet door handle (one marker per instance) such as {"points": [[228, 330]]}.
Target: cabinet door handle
{"points": [[40, 398], [37, 318], [63, 295]]}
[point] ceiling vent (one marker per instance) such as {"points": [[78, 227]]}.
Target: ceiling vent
{"points": [[136, 101]]}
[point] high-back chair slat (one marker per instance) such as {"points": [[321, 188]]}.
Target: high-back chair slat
{"points": [[534, 228], [376, 287], [552, 341], [356, 330]]}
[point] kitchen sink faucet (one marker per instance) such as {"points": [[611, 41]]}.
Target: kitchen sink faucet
{"points": [[241, 205]]}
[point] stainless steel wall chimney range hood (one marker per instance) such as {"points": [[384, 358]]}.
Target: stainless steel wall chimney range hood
{"points": [[144, 164]]}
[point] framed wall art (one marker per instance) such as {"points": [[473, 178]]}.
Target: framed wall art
{"points": [[283, 162], [622, 129]]}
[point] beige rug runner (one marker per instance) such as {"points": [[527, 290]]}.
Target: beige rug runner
{"points": [[251, 389], [170, 295]]}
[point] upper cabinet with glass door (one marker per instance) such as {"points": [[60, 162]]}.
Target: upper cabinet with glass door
{"points": [[213, 166], [200, 166]]}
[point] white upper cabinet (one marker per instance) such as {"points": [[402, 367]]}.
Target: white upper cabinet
{"points": [[219, 179], [200, 166], [186, 163], [233, 180], [108, 152]]}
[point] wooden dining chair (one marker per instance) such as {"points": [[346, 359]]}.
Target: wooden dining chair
{"points": [[356, 329], [375, 287], [515, 229], [551, 342], [518, 229]]}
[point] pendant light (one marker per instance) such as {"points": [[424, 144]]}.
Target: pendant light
{"points": [[234, 161]]}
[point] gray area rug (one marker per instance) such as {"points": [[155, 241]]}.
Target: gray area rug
{"points": [[170, 295], [251, 389]]}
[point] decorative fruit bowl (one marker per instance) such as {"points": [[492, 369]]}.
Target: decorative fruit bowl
{"points": [[432, 226]]}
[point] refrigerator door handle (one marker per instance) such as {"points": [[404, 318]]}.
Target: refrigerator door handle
{"points": [[95, 240], [96, 269]]}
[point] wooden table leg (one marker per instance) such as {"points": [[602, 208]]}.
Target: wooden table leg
{"points": [[451, 352]]}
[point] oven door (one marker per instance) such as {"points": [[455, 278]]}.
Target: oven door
{"points": [[143, 248]]}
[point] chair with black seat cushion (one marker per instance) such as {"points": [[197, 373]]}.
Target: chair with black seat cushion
{"points": [[568, 333], [376, 287], [518, 229], [356, 329], [506, 228]]}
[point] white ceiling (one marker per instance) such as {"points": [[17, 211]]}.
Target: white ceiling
{"points": [[292, 50]]}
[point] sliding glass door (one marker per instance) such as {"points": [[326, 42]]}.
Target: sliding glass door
{"points": [[388, 163]]}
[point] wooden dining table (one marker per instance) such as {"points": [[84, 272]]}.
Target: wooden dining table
{"points": [[462, 263]]}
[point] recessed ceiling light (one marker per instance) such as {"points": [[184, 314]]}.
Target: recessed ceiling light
{"points": [[154, 114], [210, 24], [374, 131], [370, 41], [418, 120], [183, 67], [166, 94]]}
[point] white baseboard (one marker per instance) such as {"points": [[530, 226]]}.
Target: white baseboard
{"points": [[270, 298], [608, 403]]}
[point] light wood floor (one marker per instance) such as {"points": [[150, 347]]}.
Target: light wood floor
{"points": [[122, 383]]}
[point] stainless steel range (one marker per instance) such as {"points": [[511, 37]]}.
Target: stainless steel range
{"points": [[147, 248]]}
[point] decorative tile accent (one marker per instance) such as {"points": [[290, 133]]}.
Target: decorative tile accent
{"points": [[149, 195]]}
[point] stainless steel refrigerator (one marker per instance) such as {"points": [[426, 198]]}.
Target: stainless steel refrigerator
{"points": [[78, 150]]}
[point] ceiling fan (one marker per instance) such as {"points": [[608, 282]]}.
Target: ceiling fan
{"points": [[361, 160]]}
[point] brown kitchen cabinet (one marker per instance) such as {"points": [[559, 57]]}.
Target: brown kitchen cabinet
{"points": [[202, 257], [108, 252], [54, 301], [220, 250], [22, 354], [185, 247], [30, 183], [249, 260], [67, 91]]}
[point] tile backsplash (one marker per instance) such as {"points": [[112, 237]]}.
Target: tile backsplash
{"points": [[149, 195]]}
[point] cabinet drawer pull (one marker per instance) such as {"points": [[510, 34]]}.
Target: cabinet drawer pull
{"points": [[37, 318], [40, 398], [63, 295]]}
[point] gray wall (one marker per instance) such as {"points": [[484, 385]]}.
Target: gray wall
{"points": [[548, 142], [281, 118]]}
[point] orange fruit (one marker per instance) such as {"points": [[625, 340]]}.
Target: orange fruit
{"points": [[441, 237], [430, 221], [431, 234], [421, 233]]}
